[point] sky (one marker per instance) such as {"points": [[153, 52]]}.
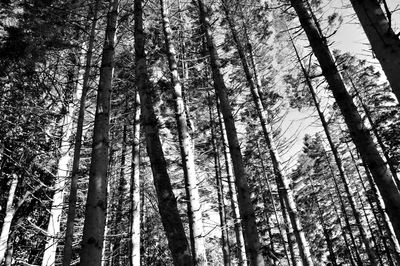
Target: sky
{"points": [[348, 38]]}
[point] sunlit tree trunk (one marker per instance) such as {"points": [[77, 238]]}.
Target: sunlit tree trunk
{"points": [[134, 193], [167, 204], [72, 199], [186, 147], [96, 205], [10, 212], [358, 131], [384, 41]]}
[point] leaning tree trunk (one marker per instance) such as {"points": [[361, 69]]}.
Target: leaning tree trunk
{"points": [[167, 204], [253, 246], [134, 193], [96, 205], [10, 211], [359, 133], [281, 179], [384, 41], [69, 231], [338, 161], [186, 147]]}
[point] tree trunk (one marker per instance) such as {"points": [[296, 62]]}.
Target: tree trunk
{"points": [[96, 205], [338, 161], [134, 193], [281, 179], [241, 250], [384, 41], [167, 204], [247, 214], [186, 147], [69, 232], [358, 131], [53, 228], [220, 191], [10, 211]]}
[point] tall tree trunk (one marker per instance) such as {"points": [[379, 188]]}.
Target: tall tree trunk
{"points": [[247, 214], [220, 191], [358, 131], [186, 147], [69, 232], [241, 250], [54, 225], [384, 41], [338, 161], [10, 211], [134, 193], [96, 205], [281, 179], [167, 204]]}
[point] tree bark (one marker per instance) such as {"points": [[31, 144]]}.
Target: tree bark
{"points": [[96, 205], [10, 211], [69, 231], [358, 131], [186, 146], [167, 204], [134, 193], [384, 41], [247, 214]]}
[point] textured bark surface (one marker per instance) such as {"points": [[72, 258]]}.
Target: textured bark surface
{"points": [[10, 211], [384, 42], [186, 148], [247, 214], [134, 194], [167, 204], [358, 131], [69, 231], [96, 205]]}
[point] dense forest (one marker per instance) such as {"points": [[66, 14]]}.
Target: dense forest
{"points": [[199, 132]]}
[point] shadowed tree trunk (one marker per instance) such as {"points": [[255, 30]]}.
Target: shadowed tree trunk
{"points": [[96, 205], [384, 41], [167, 204]]}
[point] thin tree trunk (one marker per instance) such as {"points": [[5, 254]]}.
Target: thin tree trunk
{"points": [[281, 179], [96, 205], [69, 232], [384, 41], [358, 131], [10, 211], [134, 193], [338, 161], [292, 255], [186, 146], [241, 250], [167, 204], [247, 214], [328, 240], [53, 227], [220, 192]]}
